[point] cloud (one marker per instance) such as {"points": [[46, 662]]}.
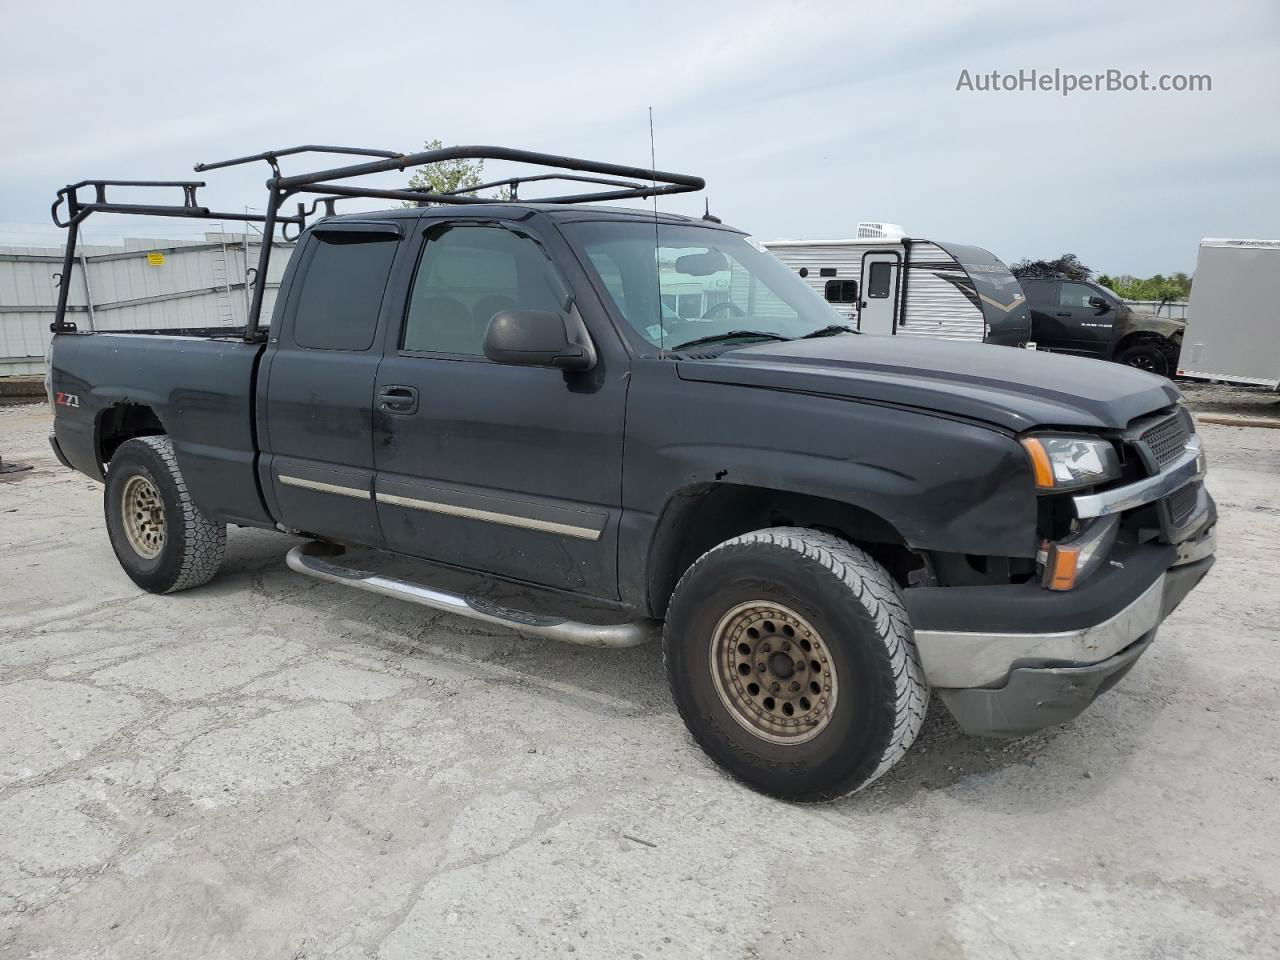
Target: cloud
{"points": [[804, 117]]}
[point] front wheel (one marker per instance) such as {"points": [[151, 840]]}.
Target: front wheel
{"points": [[1150, 356], [163, 541], [793, 664]]}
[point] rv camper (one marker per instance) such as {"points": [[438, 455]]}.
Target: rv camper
{"points": [[888, 283], [1233, 320]]}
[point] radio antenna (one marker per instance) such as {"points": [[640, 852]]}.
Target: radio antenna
{"points": [[657, 266]]}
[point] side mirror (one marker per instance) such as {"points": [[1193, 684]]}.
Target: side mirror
{"points": [[1101, 303], [539, 338]]}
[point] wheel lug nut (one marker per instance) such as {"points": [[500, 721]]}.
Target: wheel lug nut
{"points": [[795, 685], [775, 687], [786, 645], [767, 648]]}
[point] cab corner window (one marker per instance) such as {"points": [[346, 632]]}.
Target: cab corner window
{"points": [[341, 295], [466, 275], [1041, 292]]}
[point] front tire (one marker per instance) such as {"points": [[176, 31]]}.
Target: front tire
{"points": [[793, 664], [163, 541], [1150, 356]]}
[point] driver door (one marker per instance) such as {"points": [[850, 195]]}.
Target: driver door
{"points": [[512, 470], [1087, 328]]}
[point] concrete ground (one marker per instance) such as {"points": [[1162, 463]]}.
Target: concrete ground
{"points": [[270, 766]]}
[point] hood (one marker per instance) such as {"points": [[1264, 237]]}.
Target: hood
{"points": [[1005, 386]]}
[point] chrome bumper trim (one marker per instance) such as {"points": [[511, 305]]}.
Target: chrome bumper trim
{"points": [[981, 659], [1188, 467]]}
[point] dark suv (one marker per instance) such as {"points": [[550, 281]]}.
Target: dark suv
{"points": [[1087, 319]]}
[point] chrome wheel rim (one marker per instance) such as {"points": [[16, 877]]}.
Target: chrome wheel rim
{"points": [[773, 672], [143, 514]]}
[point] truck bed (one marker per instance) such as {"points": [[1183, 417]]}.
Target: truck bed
{"points": [[202, 390]]}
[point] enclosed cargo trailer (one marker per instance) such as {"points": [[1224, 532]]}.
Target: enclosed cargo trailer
{"points": [[1233, 323]]}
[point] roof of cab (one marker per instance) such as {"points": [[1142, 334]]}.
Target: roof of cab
{"points": [[562, 212]]}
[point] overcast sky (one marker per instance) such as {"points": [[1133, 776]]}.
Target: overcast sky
{"points": [[803, 118]]}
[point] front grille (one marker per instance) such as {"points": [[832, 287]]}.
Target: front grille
{"points": [[1167, 439], [1182, 503]]}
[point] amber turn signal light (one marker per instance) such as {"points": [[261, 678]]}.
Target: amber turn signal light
{"points": [[1060, 571], [1041, 467]]}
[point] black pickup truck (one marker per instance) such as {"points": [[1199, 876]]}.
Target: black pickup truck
{"points": [[822, 525], [1089, 320]]}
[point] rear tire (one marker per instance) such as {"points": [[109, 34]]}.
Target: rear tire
{"points": [[163, 541], [792, 661]]}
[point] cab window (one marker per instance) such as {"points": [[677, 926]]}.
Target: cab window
{"points": [[342, 286], [466, 275], [1076, 295]]}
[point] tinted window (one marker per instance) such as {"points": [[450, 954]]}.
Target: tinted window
{"points": [[342, 290], [465, 276], [841, 291], [880, 280], [1041, 292], [1075, 295]]}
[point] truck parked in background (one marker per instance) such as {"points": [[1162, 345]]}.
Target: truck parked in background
{"points": [[1084, 318]]}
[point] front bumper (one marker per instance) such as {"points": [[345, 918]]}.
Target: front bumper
{"points": [[1002, 681]]}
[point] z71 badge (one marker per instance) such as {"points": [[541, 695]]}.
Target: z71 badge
{"points": [[66, 399]]}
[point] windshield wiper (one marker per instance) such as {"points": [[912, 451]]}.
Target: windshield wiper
{"points": [[731, 335], [830, 331]]}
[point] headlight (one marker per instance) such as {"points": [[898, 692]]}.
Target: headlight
{"points": [[1068, 463]]}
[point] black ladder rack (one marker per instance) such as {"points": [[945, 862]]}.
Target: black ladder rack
{"points": [[625, 183]]}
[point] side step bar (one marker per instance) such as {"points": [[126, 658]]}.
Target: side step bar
{"points": [[309, 558]]}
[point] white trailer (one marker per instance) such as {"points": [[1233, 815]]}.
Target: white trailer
{"points": [[1233, 321], [885, 282]]}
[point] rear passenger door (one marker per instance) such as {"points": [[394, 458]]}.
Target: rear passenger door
{"points": [[511, 470], [316, 433]]}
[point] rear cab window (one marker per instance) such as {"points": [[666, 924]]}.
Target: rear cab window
{"points": [[342, 284]]}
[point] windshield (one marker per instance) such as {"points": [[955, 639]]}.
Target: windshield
{"points": [[1107, 290], [684, 283]]}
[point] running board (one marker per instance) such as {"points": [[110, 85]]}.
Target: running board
{"points": [[309, 558]]}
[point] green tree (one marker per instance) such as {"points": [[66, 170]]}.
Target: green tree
{"points": [[449, 176], [1067, 266], [1157, 287]]}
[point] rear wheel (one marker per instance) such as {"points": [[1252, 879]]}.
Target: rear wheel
{"points": [[793, 664], [163, 541]]}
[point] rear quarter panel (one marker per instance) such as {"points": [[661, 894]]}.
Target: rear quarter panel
{"points": [[201, 390]]}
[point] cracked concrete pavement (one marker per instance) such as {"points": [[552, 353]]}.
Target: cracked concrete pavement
{"points": [[270, 766]]}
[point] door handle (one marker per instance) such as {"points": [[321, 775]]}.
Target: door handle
{"points": [[398, 399], [1067, 314]]}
